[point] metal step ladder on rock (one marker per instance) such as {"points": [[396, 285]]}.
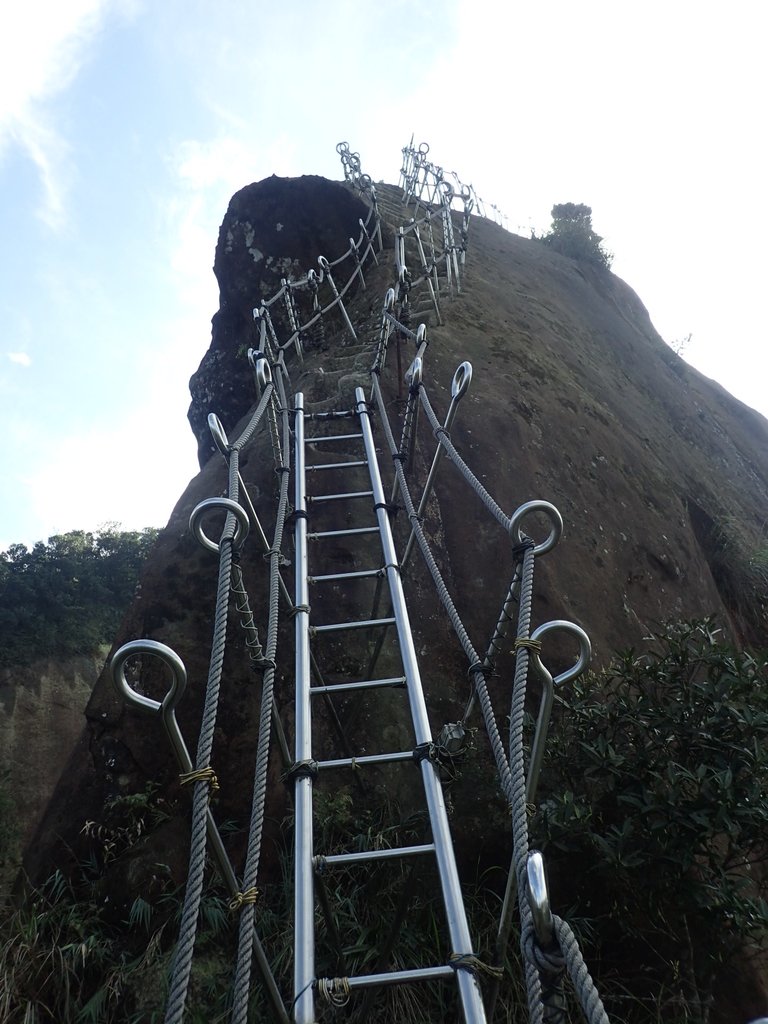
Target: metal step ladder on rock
{"points": [[313, 444]]}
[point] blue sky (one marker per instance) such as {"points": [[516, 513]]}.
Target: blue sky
{"points": [[126, 125]]}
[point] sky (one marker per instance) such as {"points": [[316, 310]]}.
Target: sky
{"points": [[126, 125]]}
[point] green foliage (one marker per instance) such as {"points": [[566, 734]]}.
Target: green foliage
{"points": [[572, 235], [67, 596], [657, 812]]}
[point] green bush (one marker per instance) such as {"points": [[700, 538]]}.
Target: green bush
{"points": [[656, 815], [67, 596], [571, 235]]}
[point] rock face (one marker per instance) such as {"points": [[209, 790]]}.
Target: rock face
{"points": [[660, 475], [41, 716], [274, 229]]}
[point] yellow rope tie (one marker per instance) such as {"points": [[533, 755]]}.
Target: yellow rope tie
{"points": [[252, 895], [532, 645], [473, 964], [200, 775], [335, 991]]}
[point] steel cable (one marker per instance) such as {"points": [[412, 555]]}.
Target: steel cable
{"points": [[248, 912]]}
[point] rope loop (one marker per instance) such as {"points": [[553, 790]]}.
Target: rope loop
{"points": [[473, 964], [241, 899], [526, 642], [389, 507], [200, 775], [293, 612], [390, 565], [548, 961], [425, 751], [307, 769], [335, 991], [526, 544]]}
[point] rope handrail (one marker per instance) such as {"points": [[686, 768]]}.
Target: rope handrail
{"points": [[426, 183]]}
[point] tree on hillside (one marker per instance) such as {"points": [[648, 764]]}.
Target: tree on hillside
{"points": [[66, 596], [572, 235]]}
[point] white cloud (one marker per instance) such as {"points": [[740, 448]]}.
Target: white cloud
{"points": [[112, 472], [20, 357], [42, 47]]}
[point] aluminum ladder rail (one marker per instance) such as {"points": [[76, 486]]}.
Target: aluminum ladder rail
{"points": [[469, 992]]}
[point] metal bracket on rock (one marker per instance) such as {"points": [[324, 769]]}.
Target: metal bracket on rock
{"points": [[548, 685], [167, 711]]}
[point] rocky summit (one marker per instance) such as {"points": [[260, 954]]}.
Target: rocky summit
{"points": [[660, 476]]}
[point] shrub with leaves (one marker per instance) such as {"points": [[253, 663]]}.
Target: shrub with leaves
{"points": [[67, 596], [572, 235], [656, 814]]}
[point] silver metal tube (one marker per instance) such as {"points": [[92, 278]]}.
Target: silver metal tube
{"points": [[399, 977], [335, 627], [469, 989], [459, 386], [394, 853], [167, 711], [304, 897], [364, 759]]}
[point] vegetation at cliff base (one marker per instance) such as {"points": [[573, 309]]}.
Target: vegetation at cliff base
{"points": [[571, 234], [66, 596], [655, 818]]}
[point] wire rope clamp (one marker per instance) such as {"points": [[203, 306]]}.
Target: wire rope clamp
{"points": [[169, 658], [242, 525], [555, 520], [461, 380]]}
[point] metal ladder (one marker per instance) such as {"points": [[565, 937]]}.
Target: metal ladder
{"points": [[306, 768]]}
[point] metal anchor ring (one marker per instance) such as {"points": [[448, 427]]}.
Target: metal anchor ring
{"points": [[168, 657], [548, 693], [413, 374], [461, 380], [585, 650], [241, 528], [218, 434], [556, 524], [261, 368]]}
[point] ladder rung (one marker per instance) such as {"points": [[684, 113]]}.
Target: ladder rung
{"points": [[342, 533], [314, 499], [363, 684], [335, 627], [332, 437], [336, 465], [401, 977], [337, 859], [366, 759], [345, 576]]}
